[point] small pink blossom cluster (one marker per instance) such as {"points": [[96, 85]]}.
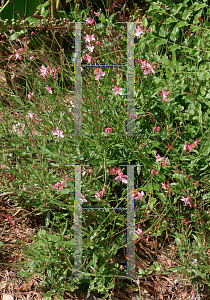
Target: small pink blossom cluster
{"points": [[90, 170], [58, 133], [158, 129], [132, 115], [88, 39], [61, 184], [98, 72], [46, 71], [49, 89], [163, 94], [188, 147], [120, 176], [8, 219], [3, 167], [161, 159], [100, 194], [108, 129], [90, 21], [17, 53], [30, 95], [139, 233], [193, 295], [140, 30], [31, 115], [153, 170], [186, 201], [140, 195], [147, 66], [117, 90], [166, 187]]}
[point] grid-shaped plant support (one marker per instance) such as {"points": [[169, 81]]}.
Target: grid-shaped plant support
{"points": [[130, 253]]}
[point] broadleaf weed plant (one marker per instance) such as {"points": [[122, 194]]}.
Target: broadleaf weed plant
{"points": [[171, 114]]}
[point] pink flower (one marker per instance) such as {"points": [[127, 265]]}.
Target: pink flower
{"points": [[56, 185], [195, 144], [90, 21], [99, 195], [140, 195], [147, 239], [96, 14], [31, 115], [88, 58], [193, 295], [108, 129], [164, 162], [58, 133], [164, 186], [146, 65], [17, 53], [113, 171], [185, 220], [163, 94], [139, 31], [3, 167], [61, 187], [158, 129], [55, 72], [139, 232], [30, 95], [138, 281], [158, 158], [32, 33], [11, 31], [186, 200], [121, 177], [98, 72], [66, 179], [89, 38], [188, 147], [44, 71], [90, 170], [195, 183], [32, 57], [90, 47], [8, 219], [117, 90], [132, 115], [154, 128], [153, 170], [49, 89], [83, 199]]}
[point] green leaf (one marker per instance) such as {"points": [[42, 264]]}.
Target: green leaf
{"points": [[173, 47], [1, 243], [160, 42], [162, 31], [102, 18], [138, 169], [170, 20], [186, 14], [47, 220], [199, 6], [175, 34], [181, 24]]}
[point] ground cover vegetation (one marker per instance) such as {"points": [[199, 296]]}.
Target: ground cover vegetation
{"points": [[39, 150]]}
